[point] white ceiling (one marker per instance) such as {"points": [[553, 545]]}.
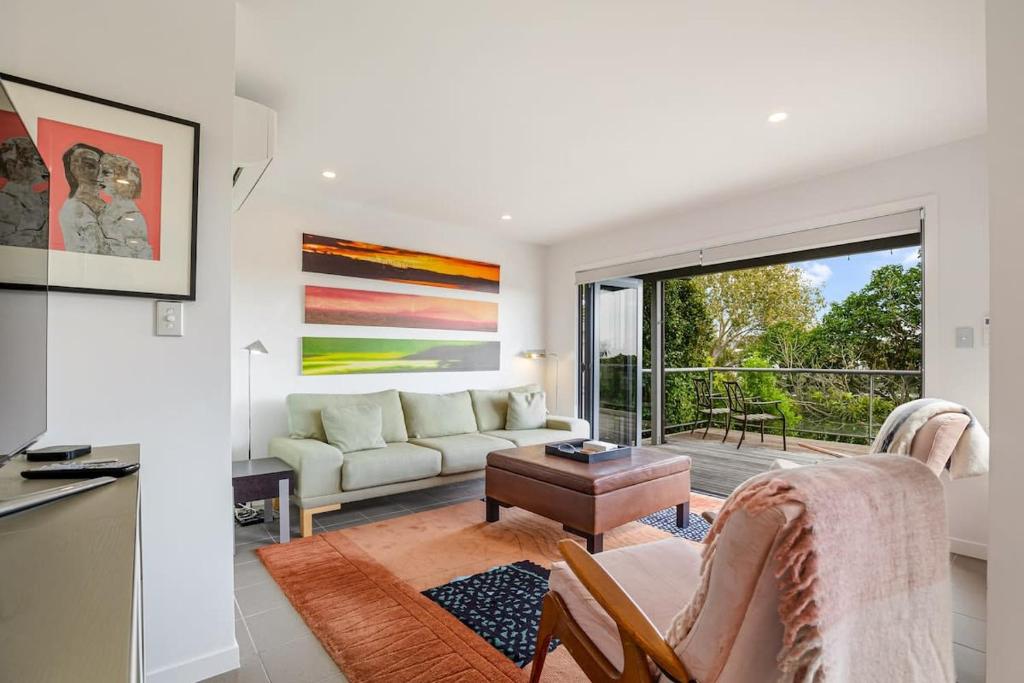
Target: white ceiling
{"points": [[572, 115]]}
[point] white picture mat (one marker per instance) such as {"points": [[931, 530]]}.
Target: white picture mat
{"points": [[171, 274]]}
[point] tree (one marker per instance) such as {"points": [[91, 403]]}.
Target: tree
{"points": [[788, 345], [744, 303], [878, 326]]}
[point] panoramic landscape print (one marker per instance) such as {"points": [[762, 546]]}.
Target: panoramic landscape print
{"points": [[362, 259], [337, 306], [349, 356]]}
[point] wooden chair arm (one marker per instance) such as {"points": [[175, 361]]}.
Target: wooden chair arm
{"points": [[628, 616]]}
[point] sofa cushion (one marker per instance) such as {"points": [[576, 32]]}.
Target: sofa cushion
{"points": [[660, 577], [464, 452], [390, 465], [531, 437], [526, 410], [491, 406], [429, 415], [305, 422], [353, 428]]}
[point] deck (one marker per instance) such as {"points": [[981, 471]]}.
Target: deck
{"points": [[718, 468]]}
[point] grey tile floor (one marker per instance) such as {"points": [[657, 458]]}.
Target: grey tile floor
{"points": [[276, 646], [274, 643], [970, 587]]}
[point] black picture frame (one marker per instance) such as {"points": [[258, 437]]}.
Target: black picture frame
{"points": [[194, 209]]}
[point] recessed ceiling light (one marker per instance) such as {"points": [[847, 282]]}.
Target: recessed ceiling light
{"points": [[506, 217], [778, 117], [329, 174]]}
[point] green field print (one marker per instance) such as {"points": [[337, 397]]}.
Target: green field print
{"points": [[356, 355]]}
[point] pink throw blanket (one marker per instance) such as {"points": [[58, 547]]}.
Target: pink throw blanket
{"points": [[862, 570]]}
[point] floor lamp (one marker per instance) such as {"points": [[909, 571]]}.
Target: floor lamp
{"points": [[538, 354], [256, 348], [244, 514]]}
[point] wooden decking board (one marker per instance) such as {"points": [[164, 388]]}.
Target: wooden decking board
{"points": [[718, 468]]}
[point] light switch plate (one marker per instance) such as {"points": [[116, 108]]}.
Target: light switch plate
{"points": [[169, 319], [965, 337]]}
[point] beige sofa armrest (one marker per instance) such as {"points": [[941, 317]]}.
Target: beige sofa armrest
{"points": [[317, 465], [574, 425]]}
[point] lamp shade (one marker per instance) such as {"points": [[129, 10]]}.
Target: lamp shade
{"points": [[257, 347]]}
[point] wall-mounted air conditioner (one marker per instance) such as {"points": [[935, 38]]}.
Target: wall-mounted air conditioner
{"points": [[254, 144]]}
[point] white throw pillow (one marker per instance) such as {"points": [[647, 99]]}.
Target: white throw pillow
{"points": [[526, 410]]}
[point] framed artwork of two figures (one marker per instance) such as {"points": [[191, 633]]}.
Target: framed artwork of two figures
{"points": [[121, 197]]}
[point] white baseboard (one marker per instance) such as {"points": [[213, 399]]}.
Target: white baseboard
{"points": [[197, 669], [969, 548]]}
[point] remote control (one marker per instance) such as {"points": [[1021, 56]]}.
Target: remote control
{"points": [[81, 470]]}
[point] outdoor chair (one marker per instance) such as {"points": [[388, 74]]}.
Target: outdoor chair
{"points": [[707, 411], [746, 409]]}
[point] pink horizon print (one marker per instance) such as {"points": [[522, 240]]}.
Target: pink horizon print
{"points": [[337, 306]]}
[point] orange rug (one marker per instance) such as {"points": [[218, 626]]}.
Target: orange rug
{"points": [[357, 588], [373, 624]]}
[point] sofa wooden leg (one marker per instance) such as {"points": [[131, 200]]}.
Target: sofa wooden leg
{"points": [[307, 517]]}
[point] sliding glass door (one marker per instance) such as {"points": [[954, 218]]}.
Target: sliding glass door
{"points": [[610, 351]]}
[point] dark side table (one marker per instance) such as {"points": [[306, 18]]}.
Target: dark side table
{"points": [[265, 479]]}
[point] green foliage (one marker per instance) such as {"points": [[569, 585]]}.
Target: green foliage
{"points": [[618, 377], [788, 344], [767, 317], [764, 386], [879, 326], [688, 339], [744, 303]]}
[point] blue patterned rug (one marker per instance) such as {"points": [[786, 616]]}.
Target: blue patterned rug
{"points": [[502, 605], [665, 520]]}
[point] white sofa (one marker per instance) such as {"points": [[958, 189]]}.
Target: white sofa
{"points": [[428, 443]]}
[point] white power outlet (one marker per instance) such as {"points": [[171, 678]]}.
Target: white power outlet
{"points": [[169, 319]]}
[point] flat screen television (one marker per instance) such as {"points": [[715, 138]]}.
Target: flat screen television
{"points": [[24, 240]]}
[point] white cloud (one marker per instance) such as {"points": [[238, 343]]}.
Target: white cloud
{"points": [[911, 259], [815, 274]]}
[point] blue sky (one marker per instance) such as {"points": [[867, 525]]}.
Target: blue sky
{"points": [[844, 274]]}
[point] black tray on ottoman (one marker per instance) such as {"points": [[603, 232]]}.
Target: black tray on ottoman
{"points": [[580, 456]]}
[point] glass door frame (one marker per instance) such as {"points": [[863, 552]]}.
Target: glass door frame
{"points": [[589, 366]]}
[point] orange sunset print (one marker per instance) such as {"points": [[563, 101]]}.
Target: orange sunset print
{"points": [[335, 306], [362, 259]]}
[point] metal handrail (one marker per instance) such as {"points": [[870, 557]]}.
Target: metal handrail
{"points": [[870, 373], [817, 371]]}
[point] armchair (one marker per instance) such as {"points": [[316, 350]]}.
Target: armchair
{"points": [[786, 588], [612, 611]]}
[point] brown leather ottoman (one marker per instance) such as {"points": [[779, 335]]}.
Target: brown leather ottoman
{"points": [[588, 499]]}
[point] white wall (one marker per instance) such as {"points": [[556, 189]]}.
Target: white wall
{"points": [[950, 181], [1005, 23], [111, 380], [267, 303]]}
